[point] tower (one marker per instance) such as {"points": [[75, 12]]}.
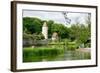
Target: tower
{"points": [[45, 30]]}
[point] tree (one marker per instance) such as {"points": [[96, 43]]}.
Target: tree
{"points": [[60, 29], [50, 23], [74, 31], [32, 25], [84, 34], [80, 33]]}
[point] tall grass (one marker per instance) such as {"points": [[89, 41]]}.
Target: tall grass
{"points": [[38, 53]]}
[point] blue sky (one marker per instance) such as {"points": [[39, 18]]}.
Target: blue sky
{"points": [[58, 17]]}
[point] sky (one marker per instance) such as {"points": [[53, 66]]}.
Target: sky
{"points": [[58, 17]]}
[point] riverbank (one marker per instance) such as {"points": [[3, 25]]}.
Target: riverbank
{"points": [[84, 49]]}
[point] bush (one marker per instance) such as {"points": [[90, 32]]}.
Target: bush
{"points": [[87, 45], [27, 40], [72, 46], [30, 39], [35, 36], [38, 36]]}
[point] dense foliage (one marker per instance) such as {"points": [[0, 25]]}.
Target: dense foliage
{"points": [[80, 33]]}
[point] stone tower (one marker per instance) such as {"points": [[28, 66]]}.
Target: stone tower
{"points": [[45, 30]]}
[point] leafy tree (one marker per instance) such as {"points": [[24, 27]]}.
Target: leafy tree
{"points": [[60, 29], [32, 25], [74, 31], [50, 23], [80, 33]]}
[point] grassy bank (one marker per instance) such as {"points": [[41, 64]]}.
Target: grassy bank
{"points": [[39, 53]]}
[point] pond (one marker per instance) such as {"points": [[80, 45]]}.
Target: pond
{"points": [[51, 54]]}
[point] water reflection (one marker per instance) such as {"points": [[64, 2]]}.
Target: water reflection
{"points": [[68, 55]]}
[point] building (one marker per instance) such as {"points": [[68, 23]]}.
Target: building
{"points": [[45, 30]]}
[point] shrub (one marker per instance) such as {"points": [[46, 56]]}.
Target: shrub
{"points": [[27, 40], [72, 46], [30, 39], [88, 45], [38, 36]]}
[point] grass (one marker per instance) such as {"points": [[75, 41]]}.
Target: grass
{"points": [[53, 52], [39, 53]]}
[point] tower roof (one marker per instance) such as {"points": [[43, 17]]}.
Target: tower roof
{"points": [[44, 24]]}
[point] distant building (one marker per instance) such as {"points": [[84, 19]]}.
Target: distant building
{"points": [[55, 36], [45, 30]]}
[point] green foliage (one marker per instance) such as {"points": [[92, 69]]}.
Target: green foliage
{"points": [[61, 29], [33, 36], [40, 53], [30, 39], [27, 39], [69, 38], [72, 46], [50, 23], [32, 25], [79, 32], [38, 36]]}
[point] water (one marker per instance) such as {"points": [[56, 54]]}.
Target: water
{"points": [[74, 55], [69, 55]]}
